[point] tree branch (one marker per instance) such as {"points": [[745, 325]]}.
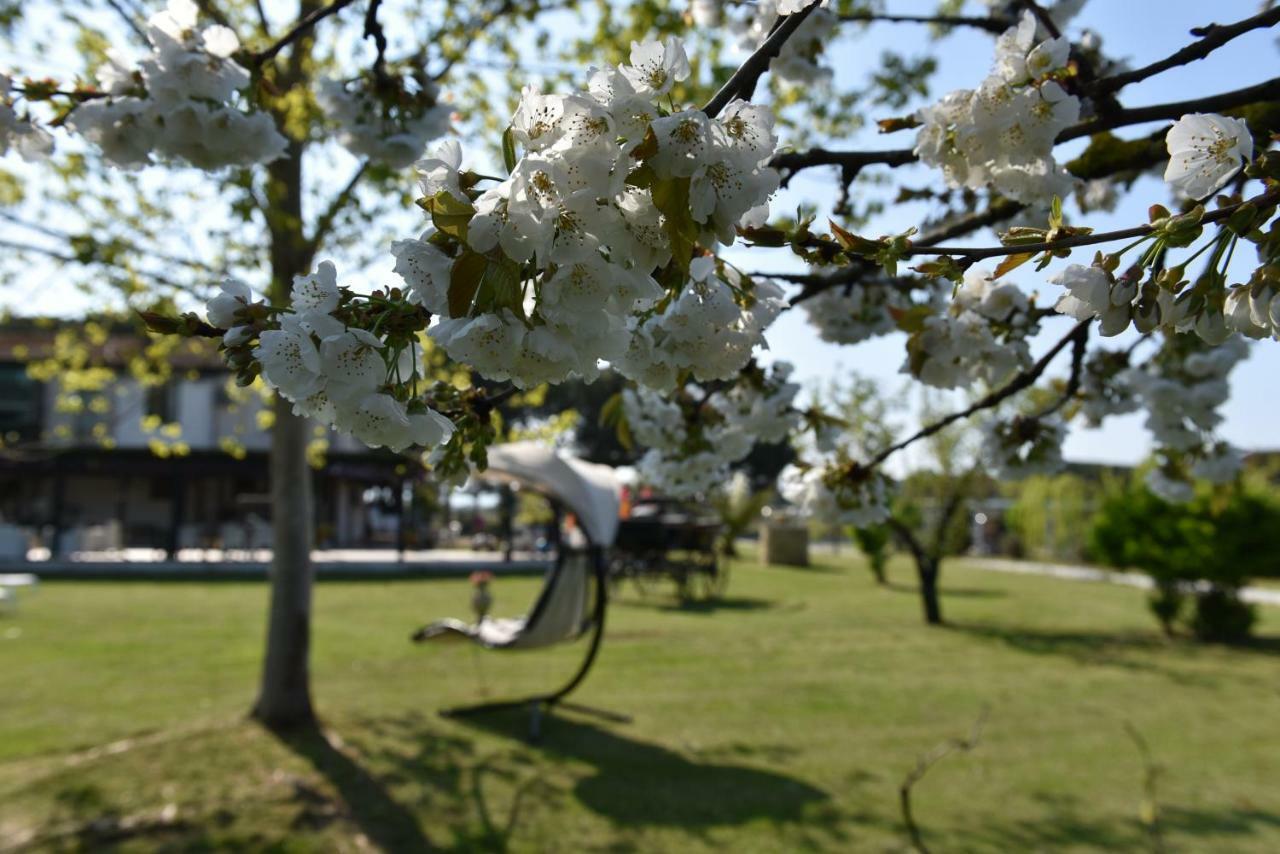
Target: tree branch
{"points": [[1078, 347], [129, 20], [853, 161], [1212, 37], [923, 764], [1268, 90], [298, 30], [325, 221], [974, 253], [1022, 381], [991, 25], [743, 82]]}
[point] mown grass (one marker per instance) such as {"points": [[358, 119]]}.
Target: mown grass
{"points": [[784, 718]]}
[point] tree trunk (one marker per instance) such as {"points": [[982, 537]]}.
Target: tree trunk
{"points": [[284, 700], [928, 572]]}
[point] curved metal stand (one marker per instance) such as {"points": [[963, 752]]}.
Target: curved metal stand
{"points": [[542, 703]]}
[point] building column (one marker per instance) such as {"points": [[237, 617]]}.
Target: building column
{"points": [[177, 511]]}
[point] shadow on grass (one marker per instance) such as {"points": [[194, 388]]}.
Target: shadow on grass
{"points": [[637, 783], [387, 824], [947, 592], [1133, 650], [702, 606]]}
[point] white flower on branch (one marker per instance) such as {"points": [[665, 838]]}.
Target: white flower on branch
{"points": [[1205, 151]]}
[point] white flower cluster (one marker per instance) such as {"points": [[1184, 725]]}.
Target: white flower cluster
{"points": [[19, 133], [691, 452], [704, 331], [1002, 133], [1093, 292], [1021, 447], [563, 251], [393, 129], [856, 312], [1254, 311], [178, 103], [861, 503], [1106, 386], [981, 337], [798, 63], [1205, 151], [1181, 390], [342, 376]]}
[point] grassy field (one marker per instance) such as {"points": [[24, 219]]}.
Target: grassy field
{"points": [[782, 719]]}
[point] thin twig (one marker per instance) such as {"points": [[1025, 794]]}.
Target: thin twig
{"points": [[743, 82], [325, 221], [1151, 770], [854, 161], [976, 253], [991, 25], [1022, 381], [1212, 37], [129, 20], [923, 764], [297, 30], [1078, 347]]}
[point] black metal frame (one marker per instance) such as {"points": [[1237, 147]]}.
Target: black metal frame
{"points": [[541, 704]]}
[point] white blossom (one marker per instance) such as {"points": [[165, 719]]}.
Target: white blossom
{"points": [[1205, 151]]}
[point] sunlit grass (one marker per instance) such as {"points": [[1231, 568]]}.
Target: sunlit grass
{"points": [[783, 719]]}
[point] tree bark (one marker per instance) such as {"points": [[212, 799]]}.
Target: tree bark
{"points": [[927, 570], [284, 700]]}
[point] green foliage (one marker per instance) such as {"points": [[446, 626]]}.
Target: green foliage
{"points": [[1222, 539], [874, 541], [738, 507], [1051, 516]]}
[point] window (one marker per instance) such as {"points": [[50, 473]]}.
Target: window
{"points": [[20, 404]]}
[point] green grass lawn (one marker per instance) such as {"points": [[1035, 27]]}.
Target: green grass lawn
{"points": [[782, 720]]}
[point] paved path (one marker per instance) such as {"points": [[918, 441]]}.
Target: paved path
{"points": [[1257, 595]]}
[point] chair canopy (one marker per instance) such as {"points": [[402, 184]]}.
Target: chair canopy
{"points": [[591, 491]]}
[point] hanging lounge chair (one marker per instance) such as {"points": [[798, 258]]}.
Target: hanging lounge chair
{"points": [[574, 594]]}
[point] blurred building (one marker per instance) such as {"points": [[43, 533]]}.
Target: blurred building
{"points": [[95, 458]]}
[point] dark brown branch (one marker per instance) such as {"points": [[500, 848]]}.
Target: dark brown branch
{"points": [[991, 25], [1212, 37], [298, 30], [854, 161], [1078, 347], [974, 253], [743, 82], [923, 764], [212, 12], [1021, 382], [1268, 90], [325, 221], [373, 30], [129, 19]]}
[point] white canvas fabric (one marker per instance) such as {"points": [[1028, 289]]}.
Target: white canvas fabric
{"points": [[593, 494]]}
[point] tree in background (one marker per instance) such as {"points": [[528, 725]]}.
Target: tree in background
{"points": [[1204, 550]]}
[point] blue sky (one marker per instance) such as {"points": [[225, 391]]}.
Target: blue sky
{"points": [[1137, 31]]}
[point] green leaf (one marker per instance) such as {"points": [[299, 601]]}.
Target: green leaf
{"points": [[1012, 262], [464, 280], [612, 410], [450, 214], [671, 197], [509, 150], [500, 287]]}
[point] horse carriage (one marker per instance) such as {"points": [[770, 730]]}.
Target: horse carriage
{"points": [[664, 542]]}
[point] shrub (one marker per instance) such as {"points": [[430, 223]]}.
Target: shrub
{"points": [[873, 541], [1222, 538]]}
